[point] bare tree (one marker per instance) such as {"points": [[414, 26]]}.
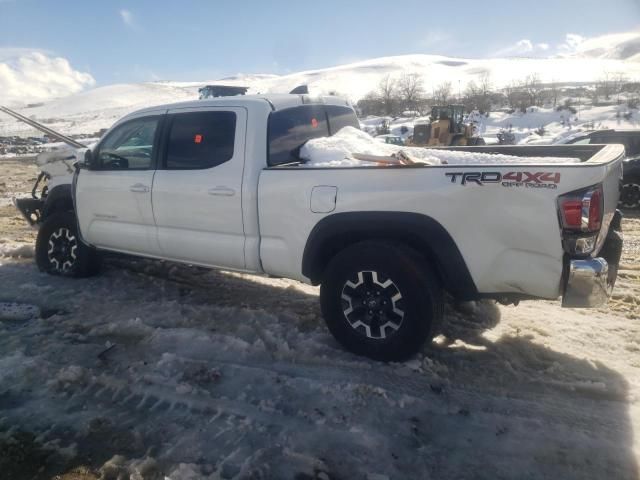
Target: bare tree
{"points": [[603, 87], [442, 93], [533, 88], [371, 104], [554, 93], [388, 92], [477, 96], [485, 84], [618, 80], [513, 92], [411, 90]]}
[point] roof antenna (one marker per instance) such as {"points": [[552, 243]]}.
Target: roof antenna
{"points": [[300, 90]]}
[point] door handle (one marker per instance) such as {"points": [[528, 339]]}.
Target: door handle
{"points": [[139, 188], [222, 191]]}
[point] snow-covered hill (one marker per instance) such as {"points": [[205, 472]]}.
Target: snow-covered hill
{"points": [[98, 108]]}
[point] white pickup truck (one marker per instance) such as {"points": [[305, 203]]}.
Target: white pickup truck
{"points": [[219, 183]]}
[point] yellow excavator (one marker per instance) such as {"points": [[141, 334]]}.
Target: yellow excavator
{"points": [[447, 128]]}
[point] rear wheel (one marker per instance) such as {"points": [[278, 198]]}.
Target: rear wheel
{"points": [[59, 250], [380, 300]]}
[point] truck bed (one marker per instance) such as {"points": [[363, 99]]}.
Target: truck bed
{"points": [[503, 218]]}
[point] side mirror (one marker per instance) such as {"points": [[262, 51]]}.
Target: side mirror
{"points": [[87, 162]]}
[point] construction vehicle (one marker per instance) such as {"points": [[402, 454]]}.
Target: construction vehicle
{"points": [[447, 128], [213, 91]]}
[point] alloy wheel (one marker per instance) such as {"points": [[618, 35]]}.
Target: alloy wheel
{"points": [[63, 246], [372, 304]]}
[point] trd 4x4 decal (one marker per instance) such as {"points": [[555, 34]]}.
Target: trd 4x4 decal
{"points": [[510, 179]]}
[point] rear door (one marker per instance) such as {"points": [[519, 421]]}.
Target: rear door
{"points": [[197, 201], [113, 198]]}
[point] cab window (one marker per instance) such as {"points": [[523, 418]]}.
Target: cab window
{"points": [[200, 140], [129, 146]]}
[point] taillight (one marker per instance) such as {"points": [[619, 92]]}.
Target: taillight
{"points": [[595, 210], [581, 219]]}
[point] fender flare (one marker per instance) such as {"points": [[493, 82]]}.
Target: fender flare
{"points": [[420, 232]]}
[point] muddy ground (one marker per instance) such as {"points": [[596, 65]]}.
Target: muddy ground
{"points": [[152, 370]]}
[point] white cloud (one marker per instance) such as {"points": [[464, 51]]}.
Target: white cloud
{"points": [[524, 47], [28, 76], [571, 43], [127, 17], [621, 46]]}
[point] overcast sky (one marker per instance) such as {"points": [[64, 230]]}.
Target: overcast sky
{"points": [[85, 43]]}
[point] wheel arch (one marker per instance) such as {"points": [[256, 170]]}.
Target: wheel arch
{"points": [[420, 232], [59, 199]]}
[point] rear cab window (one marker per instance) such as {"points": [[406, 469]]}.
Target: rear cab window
{"points": [[291, 128], [340, 117]]}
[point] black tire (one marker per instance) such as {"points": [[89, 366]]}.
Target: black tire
{"points": [[59, 250], [385, 334], [630, 194]]}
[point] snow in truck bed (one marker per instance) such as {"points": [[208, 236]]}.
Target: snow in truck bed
{"points": [[339, 150]]}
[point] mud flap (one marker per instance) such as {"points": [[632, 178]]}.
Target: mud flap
{"points": [[612, 249]]}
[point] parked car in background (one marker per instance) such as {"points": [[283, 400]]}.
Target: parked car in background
{"points": [[630, 193]]}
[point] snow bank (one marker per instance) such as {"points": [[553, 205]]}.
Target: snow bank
{"points": [[344, 148], [13, 250]]}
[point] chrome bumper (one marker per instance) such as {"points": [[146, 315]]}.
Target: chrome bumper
{"points": [[588, 283]]}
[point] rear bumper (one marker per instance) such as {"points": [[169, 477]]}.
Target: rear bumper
{"points": [[589, 282]]}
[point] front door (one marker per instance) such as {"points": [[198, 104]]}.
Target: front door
{"points": [[197, 189], [113, 198]]}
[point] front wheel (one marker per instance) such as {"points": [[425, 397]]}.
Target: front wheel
{"points": [[59, 250], [381, 300]]}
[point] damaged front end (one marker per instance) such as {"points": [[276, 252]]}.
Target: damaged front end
{"points": [[56, 170], [32, 208], [57, 167]]}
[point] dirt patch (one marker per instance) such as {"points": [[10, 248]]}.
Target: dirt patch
{"points": [[17, 176]]}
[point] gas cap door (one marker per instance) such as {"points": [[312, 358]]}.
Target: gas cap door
{"points": [[323, 198]]}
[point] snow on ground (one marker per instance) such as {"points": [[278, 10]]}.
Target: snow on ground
{"points": [[168, 371], [340, 150], [557, 123], [525, 126]]}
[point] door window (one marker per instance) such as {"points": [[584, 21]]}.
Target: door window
{"points": [[129, 146], [200, 140]]}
